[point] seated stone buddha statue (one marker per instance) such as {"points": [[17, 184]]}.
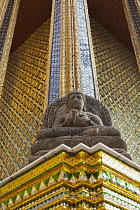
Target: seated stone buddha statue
{"points": [[73, 119], [77, 121], [76, 116]]}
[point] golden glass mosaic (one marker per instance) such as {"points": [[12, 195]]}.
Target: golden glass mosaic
{"points": [[23, 99], [118, 80], [75, 183]]}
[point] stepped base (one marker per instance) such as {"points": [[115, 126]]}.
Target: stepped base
{"points": [[77, 178]]}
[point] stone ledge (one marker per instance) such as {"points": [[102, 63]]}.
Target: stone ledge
{"points": [[51, 143]]}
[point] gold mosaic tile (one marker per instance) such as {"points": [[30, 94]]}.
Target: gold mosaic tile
{"points": [[23, 99], [118, 80]]}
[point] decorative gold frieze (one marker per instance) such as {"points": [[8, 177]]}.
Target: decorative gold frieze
{"points": [[66, 180]]}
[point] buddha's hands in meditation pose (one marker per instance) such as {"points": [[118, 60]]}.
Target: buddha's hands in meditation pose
{"points": [[81, 119], [77, 119]]}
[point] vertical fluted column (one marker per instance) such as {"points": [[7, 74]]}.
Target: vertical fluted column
{"points": [[66, 63], [76, 47], [63, 47], [69, 48], [72, 64], [69, 63], [8, 19]]}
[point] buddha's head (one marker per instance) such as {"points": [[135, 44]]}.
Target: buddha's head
{"points": [[75, 100]]}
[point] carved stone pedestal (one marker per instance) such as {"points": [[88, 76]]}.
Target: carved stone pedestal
{"points": [[43, 146]]}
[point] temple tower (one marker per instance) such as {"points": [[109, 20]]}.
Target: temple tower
{"points": [[47, 50]]}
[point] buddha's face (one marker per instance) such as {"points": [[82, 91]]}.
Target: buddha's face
{"points": [[76, 101]]}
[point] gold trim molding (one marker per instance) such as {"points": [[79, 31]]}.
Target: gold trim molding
{"points": [[8, 41]]}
